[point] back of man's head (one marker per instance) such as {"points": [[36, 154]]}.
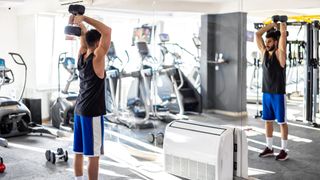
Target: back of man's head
{"points": [[92, 37], [272, 34]]}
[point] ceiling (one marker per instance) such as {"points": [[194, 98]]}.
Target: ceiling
{"points": [[197, 1], [9, 3], [255, 8]]}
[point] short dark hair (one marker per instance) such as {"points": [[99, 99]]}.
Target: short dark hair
{"points": [[92, 36], [273, 34]]}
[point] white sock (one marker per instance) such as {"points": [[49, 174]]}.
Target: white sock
{"points": [[269, 142], [284, 144], [78, 178]]}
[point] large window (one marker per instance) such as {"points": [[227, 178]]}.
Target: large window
{"points": [[50, 43], [61, 45], [44, 50]]}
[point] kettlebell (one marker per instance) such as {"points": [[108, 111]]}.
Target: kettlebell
{"points": [[2, 166]]}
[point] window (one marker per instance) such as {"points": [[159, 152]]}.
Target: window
{"points": [[50, 43], [44, 49], [71, 47]]}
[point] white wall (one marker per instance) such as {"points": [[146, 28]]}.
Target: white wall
{"points": [[18, 35], [27, 47], [26, 34], [8, 43], [8, 35]]}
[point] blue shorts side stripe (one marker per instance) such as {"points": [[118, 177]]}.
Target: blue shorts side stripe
{"points": [[88, 135]]}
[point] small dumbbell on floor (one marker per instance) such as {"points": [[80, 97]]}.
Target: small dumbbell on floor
{"points": [[60, 155], [156, 138], [3, 142]]}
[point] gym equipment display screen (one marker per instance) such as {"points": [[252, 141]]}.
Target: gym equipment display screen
{"points": [[164, 37], [142, 34]]}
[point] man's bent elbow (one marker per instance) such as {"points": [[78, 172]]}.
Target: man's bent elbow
{"points": [[258, 34], [107, 31]]}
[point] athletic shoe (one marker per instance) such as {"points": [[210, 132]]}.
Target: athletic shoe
{"points": [[266, 152], [282, 156]]}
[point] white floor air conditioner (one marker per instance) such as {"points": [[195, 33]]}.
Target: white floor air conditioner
{"points": [[201, 151]]}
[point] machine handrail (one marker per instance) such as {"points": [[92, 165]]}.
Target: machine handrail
{"points": [[12, 54]]}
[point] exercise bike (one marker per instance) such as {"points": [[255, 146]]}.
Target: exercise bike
{"points": [[15, 117], [62, 109]]}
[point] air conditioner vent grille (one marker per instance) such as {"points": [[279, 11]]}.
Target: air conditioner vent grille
{"points": [[189, 169]]}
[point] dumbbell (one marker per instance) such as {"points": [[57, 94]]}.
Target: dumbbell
{"points": [[156, 138], [2, 166], [277, 18], [59, 155], [3, 142], [74, 9]]}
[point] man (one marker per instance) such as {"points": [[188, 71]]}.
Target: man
{"points": [[274, 85], [90, 106]]}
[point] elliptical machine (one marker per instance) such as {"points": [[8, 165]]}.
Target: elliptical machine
{"points": [[62, 110], [133, 115], [161, 99], [15, 117]]}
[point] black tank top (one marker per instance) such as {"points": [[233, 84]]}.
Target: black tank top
{"points": [[91, 98], [274, 76]]}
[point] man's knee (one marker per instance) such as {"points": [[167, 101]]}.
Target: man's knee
{"points": [[76, 155], [283, 124], [93, 159], [269, 124]]}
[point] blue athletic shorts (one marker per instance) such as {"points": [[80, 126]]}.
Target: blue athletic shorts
{"points": [[274, 108], [88, 135]]}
